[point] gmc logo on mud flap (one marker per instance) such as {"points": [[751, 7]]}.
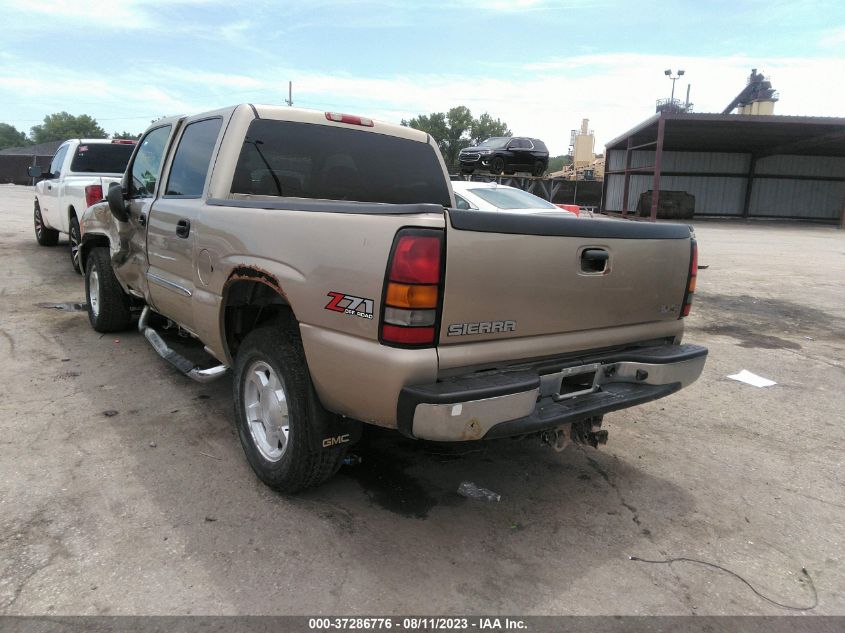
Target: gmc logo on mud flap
{"points": [[347, 304], [484, 327], [334, 441]]}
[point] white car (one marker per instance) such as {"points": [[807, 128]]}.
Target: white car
{"points": [[79, 176], [491, 196]]}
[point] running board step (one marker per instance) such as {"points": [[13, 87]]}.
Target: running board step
{"points": [[192, 371]]}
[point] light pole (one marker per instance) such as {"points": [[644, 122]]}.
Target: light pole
{"points": [[668, 73]]}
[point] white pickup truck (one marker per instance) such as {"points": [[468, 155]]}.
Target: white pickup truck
{"points": [[80, 174]]}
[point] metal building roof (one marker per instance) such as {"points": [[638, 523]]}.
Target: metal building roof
{"points": [[762, 135]]}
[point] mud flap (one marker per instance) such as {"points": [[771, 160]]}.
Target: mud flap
{"points": [[335, 431]]}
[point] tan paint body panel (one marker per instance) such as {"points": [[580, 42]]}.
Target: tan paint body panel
{"points": [[536, 281], [472, 356], [306, 254]]}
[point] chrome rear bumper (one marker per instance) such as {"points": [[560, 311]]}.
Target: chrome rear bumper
{"points": [[501, 404]]}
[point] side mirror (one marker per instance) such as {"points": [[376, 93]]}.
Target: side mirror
{"points": [[34, 171], [117, 205]]}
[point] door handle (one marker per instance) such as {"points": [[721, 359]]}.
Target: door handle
{"points": [[183, 228], [594, 260]]}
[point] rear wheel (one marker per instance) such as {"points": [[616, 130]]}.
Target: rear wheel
{"points": [[276, 409], [108, 305], [75, 239], [497, 165], [539, 168], [43, 235]]}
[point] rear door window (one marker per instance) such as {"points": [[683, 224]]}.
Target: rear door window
{"points": [[462, 203], [192, 158], [101, 158], [305, 160]]}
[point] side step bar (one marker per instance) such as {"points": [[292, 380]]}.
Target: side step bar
{"points": [[194, 372]]}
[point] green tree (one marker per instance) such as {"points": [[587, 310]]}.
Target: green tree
{"points": [[11, 137], [556, 163], [457, 129], [126, 136], [434, 124], [486, 126], [61, 126], [460, 123]]}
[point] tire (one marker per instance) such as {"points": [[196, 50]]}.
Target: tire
{"points": [[108, 305], [539, 169], [75, 239], [269, 361], [497, 165], [467, 172], [43, 235]]}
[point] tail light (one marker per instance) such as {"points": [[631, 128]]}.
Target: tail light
{"points": [[413, 289], [691, 279], [93, 195]]}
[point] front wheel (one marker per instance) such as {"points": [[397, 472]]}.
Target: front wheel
{"points": [[539, 168], [276, 408], [43, 235], [108, 305], [75, 239], [497, 165]]}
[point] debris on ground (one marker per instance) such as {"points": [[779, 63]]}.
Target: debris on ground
{"points": [[69, 306], [110, 413], [471, 491], [752, 379], [153, 444], [805, 576]]}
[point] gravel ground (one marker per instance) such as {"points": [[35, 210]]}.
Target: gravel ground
{"points": [[124, 489]]}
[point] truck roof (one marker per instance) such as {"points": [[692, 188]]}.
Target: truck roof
{"points": [[303, 115]]}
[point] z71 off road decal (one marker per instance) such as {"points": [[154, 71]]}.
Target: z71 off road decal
{"points": [[347, 304]]}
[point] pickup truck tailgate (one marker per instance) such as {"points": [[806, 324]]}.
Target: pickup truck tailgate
{"points": [[511, 275]]}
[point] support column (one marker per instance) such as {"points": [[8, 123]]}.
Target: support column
{"points": [[749, 186], [842, 219], [658, 164], [603, 201], [628, 155]]}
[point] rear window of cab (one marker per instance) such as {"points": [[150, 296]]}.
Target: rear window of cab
{"points": [[101, 158], [306, 160]]}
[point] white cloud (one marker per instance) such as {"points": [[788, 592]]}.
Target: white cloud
{"points": [[833, 38], [544, 99]]}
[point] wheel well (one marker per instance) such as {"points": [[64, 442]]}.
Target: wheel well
{"points": [[251, 298], [71, 212], [89, 242]]}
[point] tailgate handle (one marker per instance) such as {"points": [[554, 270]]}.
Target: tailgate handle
{"points": [[594, 260]]}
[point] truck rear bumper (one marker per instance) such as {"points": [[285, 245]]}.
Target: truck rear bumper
{"points": [[507, 403]]}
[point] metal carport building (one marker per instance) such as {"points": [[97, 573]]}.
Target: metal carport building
{"points": [[742, 166]]}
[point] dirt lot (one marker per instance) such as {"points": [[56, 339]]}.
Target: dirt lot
{"points": [[124, 489]]}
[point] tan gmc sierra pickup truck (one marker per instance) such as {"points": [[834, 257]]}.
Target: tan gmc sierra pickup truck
{"points": [[320, 256]]}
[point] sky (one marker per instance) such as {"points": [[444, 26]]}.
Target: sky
{"points": [[539, 65]]}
